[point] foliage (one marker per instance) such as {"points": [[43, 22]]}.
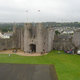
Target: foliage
{"points": [[57, 32], [5, 27], [9, 26]]}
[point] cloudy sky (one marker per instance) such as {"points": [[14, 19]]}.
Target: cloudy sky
{"points": [[50, 10]]}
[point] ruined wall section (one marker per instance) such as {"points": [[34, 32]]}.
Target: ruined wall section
{"points": [[76, 38], [39, 46], [45, 39], [38, 35], [51, 34], [22, 39], [18, 40], [62, 43], [27, 35], [13, 42], [6, 44], [16, 37]]}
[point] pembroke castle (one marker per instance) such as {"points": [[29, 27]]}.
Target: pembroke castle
{"points": [[37, 38]]}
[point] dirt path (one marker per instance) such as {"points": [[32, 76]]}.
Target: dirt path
{"points": [[19, 52]]}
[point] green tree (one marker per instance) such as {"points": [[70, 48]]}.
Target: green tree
{"points": [[57, 32]]}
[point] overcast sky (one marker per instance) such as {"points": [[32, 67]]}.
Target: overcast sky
{"points": [[50, 10]]}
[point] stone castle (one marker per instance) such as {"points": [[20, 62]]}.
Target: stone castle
{"points": [[33, 38], [38, 38]]}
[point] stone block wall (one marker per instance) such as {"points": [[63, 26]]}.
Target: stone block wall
{"points": [[6, 44]]}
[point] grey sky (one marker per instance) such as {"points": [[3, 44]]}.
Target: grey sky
{"points": [[50, 10]]}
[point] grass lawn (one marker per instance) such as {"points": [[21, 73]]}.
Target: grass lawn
{"points": [[67, 66]]}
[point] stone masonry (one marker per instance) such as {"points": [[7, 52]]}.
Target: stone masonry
{"points": [[37, 38]]}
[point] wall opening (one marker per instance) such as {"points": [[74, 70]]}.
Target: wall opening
{"points": [[33, 47]]}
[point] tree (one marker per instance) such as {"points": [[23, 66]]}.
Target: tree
{"points": [[57, 32]]}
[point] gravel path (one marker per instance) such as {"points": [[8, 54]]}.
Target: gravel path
{"points": [[19, 52]]}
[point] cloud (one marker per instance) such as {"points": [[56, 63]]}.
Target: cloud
{"points": [[50, 10]]}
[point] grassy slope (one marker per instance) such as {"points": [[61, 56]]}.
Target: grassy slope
{"points": [[67, 66]]}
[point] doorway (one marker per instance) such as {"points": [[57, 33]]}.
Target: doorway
{"points": [[33, 47]]}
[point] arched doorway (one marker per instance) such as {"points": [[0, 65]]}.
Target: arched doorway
{"points": [[33, 47]]}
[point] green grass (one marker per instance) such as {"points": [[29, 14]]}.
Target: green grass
{"points": [[67, 66]]}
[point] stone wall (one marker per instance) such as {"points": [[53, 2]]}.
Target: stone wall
{"points": [[38, 35], [76, 38], [62, 42], [50, 38], [6, 44], [27, 40], [22, 39], [12, 42], [42, 37]]}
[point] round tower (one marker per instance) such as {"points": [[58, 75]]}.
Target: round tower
{"points": [[39, 46], [27, 35]]}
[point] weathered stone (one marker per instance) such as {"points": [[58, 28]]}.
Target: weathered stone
{"points": [[39, 36]]}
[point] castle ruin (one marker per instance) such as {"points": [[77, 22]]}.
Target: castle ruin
{"points": [[34, 38], [37, 38]]}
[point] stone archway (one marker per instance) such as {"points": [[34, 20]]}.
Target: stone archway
{"points": [[33, 47]]}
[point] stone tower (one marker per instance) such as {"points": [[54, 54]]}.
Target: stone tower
{"points": [[50, 36], [36, 38], [27, 28], [15, 39], [76, 38], [33, 38], [39, 37]]}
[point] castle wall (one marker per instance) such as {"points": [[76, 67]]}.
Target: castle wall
{"points": [[22, 39], [40, 35], [27, 40], [76, 38], [18, 37], [50, 39], [6, 44], [43, 37], [18, 33], [63, 45], [36, 35], [62, 42], [13, 42]]}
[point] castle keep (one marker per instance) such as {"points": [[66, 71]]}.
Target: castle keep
{"points": [[34, 38]]}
